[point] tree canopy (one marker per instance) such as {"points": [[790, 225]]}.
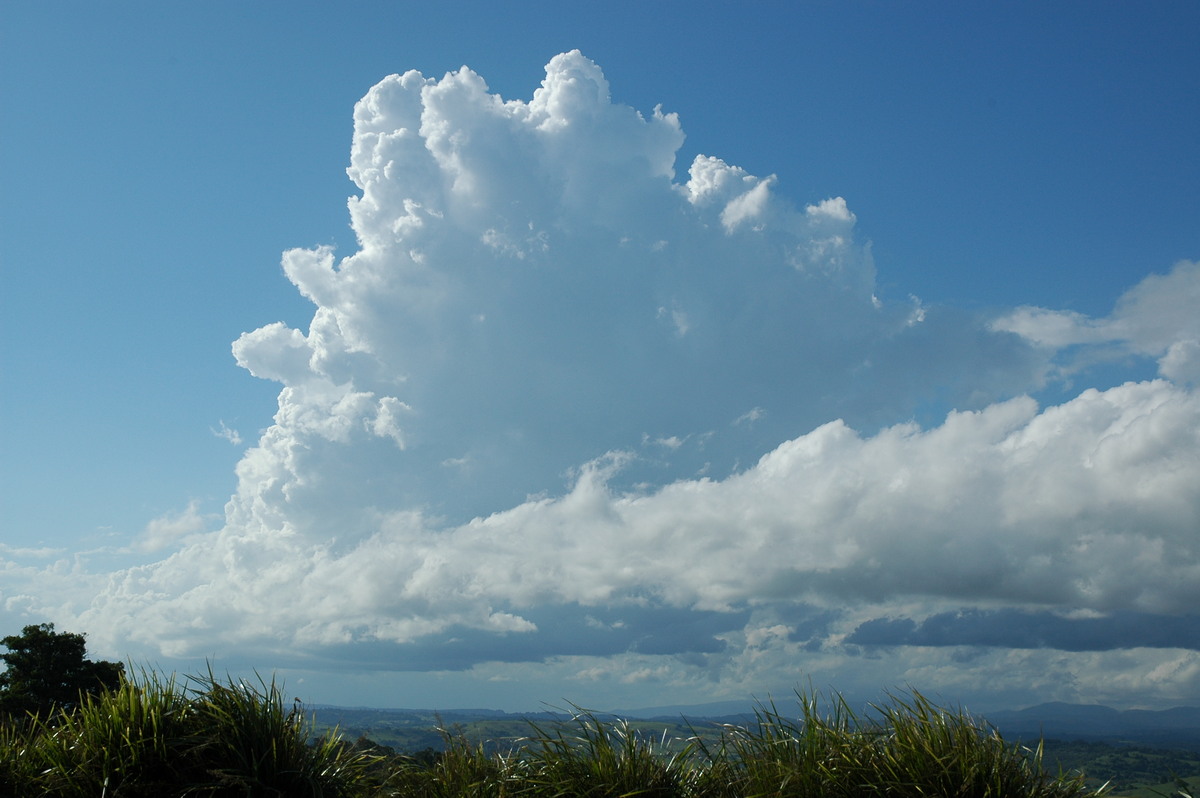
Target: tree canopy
{"points": [[46, 669]]}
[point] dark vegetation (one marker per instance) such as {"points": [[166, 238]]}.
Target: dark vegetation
{"points": [[1127, 769], [45, 670], [148, 735], [1134, 769]]}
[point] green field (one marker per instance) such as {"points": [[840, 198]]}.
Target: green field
{"points": [[1134, 771]]}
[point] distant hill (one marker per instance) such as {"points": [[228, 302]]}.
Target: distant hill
{"points": [[712, 711], [1178, 727]]}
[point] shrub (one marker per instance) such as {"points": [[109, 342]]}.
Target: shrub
{"points": [[910, 748], [589, 758], [244, 742], [151, 737]]}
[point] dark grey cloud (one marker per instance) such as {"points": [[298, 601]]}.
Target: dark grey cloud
{"points": [[1013, 628], [569, 630]]}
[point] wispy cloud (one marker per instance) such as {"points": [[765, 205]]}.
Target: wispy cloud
{"points": [[231, 435], [1157, 319]]}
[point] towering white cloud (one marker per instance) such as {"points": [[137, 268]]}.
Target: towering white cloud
{"points": [[534, 287], [563, 405]]}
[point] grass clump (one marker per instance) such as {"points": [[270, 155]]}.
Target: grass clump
{"points": [[909, 748], [590, 758], [463, 768], [126, 741], [247, 743], [152, 737]]}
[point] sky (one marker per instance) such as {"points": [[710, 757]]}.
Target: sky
{"points": [[507, 355]]}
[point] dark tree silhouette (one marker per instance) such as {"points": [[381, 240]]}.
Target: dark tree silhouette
{"points": [[48, 669]]}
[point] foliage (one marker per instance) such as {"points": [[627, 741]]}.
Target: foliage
{"points": [[130, 741], [152, 736], [47, 669], [250, 743], [1129, 769], [590, 758], [911, 748]]}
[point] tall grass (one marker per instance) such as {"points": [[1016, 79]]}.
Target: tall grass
{"points": [[585, 757], [153, 737], [16, 766], [909, 747], [249, 744], [127, 741], [812, 755], [464, 768], [588, 757], [158, 737]]}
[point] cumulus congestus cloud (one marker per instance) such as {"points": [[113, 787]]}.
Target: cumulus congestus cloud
{"points": [[568, 404]]}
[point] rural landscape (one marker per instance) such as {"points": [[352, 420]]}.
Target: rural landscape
{"points": [[71, 726]]}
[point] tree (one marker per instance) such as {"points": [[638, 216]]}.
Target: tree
{"points": [[46, 669]]}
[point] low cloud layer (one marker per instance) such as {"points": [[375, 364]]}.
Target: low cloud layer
{"points": [[1012, 628], [1007, 505], [565, 406]]}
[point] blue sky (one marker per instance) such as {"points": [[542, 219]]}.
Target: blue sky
{"points": [[869, 358]]}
